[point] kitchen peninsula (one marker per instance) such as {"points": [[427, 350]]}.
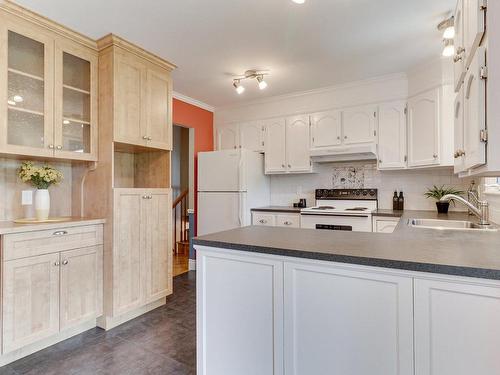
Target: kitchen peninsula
{"points": [[301, 301]]}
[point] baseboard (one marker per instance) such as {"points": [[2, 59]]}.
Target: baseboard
{"points": [[192, 264], [45, 343], [109, 322]]}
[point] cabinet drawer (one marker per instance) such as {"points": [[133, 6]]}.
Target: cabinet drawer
{"points": [[290, 221], [385, 225], [263, 219], [21, 245]]}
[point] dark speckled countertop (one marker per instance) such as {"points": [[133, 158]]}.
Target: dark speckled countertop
{"points": [[287, 209], [451, 252]]}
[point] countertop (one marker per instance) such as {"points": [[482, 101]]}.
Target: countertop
{"points": [[9, 227], [388, 213], [463, 253], [287, 209]]}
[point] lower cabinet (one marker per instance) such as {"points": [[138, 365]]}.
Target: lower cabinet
{"points": [[264, 314], [385, 224], [339, 321], [46, 294], [457, 330], [280, 219]]}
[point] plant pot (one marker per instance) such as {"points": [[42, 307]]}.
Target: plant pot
{"points": [[443, 207], [42, 204]]}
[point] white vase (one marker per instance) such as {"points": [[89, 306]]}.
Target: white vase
{"points": [[42, 204]]}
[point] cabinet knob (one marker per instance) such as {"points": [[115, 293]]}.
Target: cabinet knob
{"points": [[144, 197], [51, 147], [56, 263], [345, 136], [338, 138], [262, 221], [457, 58], [149, 138], [460, 50], [60, 233], [435, 156], [145, 137], [380, 161], [59, 147], [287, 223], [282, 165], [65, 262]]}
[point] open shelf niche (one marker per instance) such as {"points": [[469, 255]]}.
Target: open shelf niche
{"points": [[140, 168]]}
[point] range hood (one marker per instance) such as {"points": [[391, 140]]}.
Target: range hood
{"points": [[344, 153]]}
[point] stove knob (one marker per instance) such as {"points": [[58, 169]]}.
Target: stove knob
{"points": [[365, 192], [358, 192], [372, 192]]}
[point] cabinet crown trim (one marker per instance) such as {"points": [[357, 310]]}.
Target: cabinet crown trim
{"points": [[114, 40], [37, 19]]}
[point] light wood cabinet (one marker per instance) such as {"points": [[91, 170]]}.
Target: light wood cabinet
{"points": [[392, 136], [142, 257], [79, 289], [30, 300], [456, 327], [142, 101], [49, 104]]}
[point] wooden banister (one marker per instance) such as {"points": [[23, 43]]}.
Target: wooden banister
{"points": [[180, 202], [180, 198]]}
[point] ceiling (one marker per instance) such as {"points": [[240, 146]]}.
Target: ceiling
{"points": [[318, 44]]}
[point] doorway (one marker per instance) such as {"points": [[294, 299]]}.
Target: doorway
{"points": [[182, 195]]}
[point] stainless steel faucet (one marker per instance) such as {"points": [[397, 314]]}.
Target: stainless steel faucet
{"points": [[478, 207]]}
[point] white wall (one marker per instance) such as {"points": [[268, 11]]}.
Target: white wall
{"points": [[286, 189]]}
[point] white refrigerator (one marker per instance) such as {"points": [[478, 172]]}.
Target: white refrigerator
{"points": [[230, 183]]}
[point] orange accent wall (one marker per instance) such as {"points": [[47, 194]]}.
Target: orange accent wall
{"points": [[202, 121]]}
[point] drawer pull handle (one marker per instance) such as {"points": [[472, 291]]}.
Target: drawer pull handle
{"points": [[60, 233], [56, 263], [262, 221], [65, 262], [288, 223]]}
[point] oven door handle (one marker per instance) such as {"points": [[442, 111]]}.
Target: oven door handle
{"points": [[315, 214]]}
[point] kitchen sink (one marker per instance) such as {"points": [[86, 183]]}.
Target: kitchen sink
{"points": [[450, 225]]}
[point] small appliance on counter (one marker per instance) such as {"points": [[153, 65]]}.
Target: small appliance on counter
{"points": [[300, 204], [341, 209]]}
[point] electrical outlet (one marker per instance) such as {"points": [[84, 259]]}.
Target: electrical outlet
{"points": [[27, 197]]}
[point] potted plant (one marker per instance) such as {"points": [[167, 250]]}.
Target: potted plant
{"points": [[41, 177], [438, 192]]}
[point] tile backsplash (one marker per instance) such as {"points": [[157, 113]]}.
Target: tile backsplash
{"points": [[11, 188], [286, 189]]}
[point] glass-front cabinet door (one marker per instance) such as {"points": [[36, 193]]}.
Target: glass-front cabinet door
{"points": [[76, 103], [26, 68]]}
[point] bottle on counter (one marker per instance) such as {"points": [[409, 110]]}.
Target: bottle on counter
{"points": [[401, 201], [395, 201]]}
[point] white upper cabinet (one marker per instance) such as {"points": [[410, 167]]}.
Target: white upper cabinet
{"points": [[475, 112], [252, 136], [228, 137], [423, 129], [275, 146], [359, 124], [326, 129], [297, 144], [392, 136], [459, 59], [475, 26], [459, 154]]}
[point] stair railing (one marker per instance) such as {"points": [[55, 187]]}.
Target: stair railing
{"points": [[180, 205]]}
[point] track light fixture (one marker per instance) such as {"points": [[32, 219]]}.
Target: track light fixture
{"points": [[250, 74], [448, 28]]}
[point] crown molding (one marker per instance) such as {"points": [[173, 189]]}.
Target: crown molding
{"points": [[327, 89], [195, 102]]}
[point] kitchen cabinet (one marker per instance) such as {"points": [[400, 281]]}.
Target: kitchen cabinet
{"points": [[141, 242], [359, 124], [424, 129], [30, 300], [277, 219], [385, 224], [474, 112], [378, 305], [392, 136], [287, 148], [459, 43], [247, 135], [141, 97], [51, 286], [456, 330], [474, 26], [49, 103], [240, 330], [326, 129], [459, 154]]}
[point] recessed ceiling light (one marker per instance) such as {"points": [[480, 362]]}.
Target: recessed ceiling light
{"points": [[299, 1]]}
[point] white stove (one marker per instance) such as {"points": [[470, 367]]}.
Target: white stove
{"points": [[341, 209]]}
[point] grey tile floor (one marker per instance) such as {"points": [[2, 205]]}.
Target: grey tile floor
{"points": [[162, 341]]}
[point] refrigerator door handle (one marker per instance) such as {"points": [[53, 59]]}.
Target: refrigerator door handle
{"points": [[240, 209], [240, 172]]}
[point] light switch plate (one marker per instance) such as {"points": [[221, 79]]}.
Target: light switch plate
{"points": [[27, 197]]}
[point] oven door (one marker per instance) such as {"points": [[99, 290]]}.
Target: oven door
{"points": [[355, 223]]}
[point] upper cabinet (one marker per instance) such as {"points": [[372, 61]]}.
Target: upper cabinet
{"points": [[49, 104], [248, 135], [358, 124], [423, 129], [287, 145], [459, 43], [142, 100], [459, 154], [474, 13], [392, 136], [326, 129]]}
